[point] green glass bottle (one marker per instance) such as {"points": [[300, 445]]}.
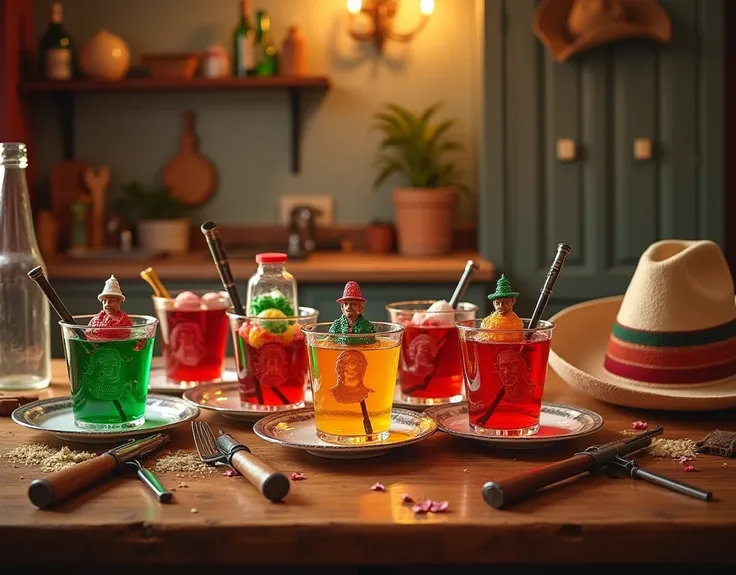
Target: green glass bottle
{"points": [[56, 49], [244, 43], [265, 49]]}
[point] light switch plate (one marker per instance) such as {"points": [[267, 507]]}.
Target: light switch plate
{"points": [[325, 204]]}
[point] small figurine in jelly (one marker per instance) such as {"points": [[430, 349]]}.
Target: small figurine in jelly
{"points": [[111, 315], [504, 318], [352, 320]]}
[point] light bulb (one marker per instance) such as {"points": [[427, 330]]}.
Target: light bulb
{"points": [[426, 7], [354, 6]]}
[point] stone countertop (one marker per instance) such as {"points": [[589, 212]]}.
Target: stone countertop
{"points": [[320, 267]]}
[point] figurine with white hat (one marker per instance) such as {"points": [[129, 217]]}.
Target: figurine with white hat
{"points": [[112, 298]]}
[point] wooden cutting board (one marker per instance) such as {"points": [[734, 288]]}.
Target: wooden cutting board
{"points": [[66, 182], [190, 175]]}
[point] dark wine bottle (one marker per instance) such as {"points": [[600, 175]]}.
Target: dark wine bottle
{"points": [[244, 43], [56, 49]]}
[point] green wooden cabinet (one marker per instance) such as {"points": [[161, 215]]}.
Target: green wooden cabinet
{"points": [[607, 204], [81, 298]]}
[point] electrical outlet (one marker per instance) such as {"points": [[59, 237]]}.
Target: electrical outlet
{"points": [[325, 205]]}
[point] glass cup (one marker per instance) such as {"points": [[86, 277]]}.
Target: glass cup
{"points": [[353, 378], [430, 370], [505, 372], [193, 338], [108, 369], [271, 359]]}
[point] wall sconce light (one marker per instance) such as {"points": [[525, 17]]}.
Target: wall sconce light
{"points": [[381, 14]]}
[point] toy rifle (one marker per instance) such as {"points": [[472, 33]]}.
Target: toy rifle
{"points": [[611, 456]]}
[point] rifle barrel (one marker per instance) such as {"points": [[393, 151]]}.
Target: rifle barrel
{"points": [[508, 491]]}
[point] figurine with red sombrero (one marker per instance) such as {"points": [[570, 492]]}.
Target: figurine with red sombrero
{"points": [[352, 320]]}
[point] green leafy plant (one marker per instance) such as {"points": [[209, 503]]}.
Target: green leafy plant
{"points": [[150, 204], [416, 147]]}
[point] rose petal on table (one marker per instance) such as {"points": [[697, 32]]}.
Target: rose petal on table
{"points": [[690, 468], [378, 487], [231, 473], [642, 425], [422, 506], [684, 459], [438, 506], [406, 498], [297, 476]]}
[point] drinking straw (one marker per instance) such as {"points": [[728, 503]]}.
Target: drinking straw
{"points": [[214, 243], [563, 250], [37, 275], [151, 278], [460, 289]]}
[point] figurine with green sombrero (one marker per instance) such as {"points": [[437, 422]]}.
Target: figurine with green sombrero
{"points": [[503, 318]]}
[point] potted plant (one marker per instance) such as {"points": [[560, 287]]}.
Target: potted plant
{"points": [[415, 147], [380, 237], [161, 218]]}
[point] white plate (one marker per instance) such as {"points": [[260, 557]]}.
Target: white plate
{"points": [[297, 429], [55, 416], [223, 398], [556, 423]]}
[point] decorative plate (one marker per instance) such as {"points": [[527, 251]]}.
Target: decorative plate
{"points": [[55, 416], [556, 423], [224, 398], [297, 429]]}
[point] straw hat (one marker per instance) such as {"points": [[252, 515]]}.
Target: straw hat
{"points": [[111, 289], [568, 27], [669, 343]]}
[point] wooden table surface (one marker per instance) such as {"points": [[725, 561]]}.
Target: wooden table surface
{"points": [[334, 517], [320, 267]]}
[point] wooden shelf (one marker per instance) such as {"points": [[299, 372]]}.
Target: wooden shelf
{"points": [[63, 93], [143, 84]]}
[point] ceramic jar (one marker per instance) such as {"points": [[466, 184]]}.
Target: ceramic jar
{"points": [[105, 56]]}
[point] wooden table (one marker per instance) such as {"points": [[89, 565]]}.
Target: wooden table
{"points": [[334, 518]]}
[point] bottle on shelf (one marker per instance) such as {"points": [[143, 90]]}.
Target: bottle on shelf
{"points": [[244, 43], [56, 49], [25, 353], [294, 53], [265, 50]]}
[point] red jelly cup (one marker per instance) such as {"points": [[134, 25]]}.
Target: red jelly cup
{"points": [[271, 359], [430, 369], [505, 372]]}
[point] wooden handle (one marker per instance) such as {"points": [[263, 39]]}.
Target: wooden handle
{"points": [[46, 492], [507, 492], [272, 484], [188, 137]]}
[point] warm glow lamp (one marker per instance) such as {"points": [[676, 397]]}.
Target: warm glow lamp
{"points": [[381, 14]]}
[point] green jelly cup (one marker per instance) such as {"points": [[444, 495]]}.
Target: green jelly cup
{"points": [[108, 369]]}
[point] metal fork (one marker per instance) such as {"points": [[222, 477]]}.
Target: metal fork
{"points": [[204, 441], [226, 450]]}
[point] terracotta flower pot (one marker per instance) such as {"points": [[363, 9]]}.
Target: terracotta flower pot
{"points": [[424, 218], [380, 238]]}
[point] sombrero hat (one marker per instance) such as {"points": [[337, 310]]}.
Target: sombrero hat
{"points": [[568, 27], [668, 343]]}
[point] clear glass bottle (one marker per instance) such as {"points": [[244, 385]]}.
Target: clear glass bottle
{"points": [[25, 338], [272, 286]]}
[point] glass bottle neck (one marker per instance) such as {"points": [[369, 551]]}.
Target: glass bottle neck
{"points": [[17, 234], [270, 269], [57, 14]]}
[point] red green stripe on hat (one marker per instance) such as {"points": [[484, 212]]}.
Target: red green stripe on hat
{"points": [[670, 376], [675, 338], [671, 357]]}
